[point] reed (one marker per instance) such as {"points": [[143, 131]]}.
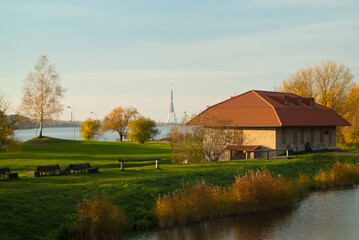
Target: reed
{"points": [[97, 218], [339, 175], [304, 182], [253, 192]]}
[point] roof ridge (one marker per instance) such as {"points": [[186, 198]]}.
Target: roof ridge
{"points": [[273, 108]]}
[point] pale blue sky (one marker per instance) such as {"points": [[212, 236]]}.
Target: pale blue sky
{"points": [[120, 53]]}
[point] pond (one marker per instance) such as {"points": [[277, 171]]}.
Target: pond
{"points": [[322, 215]]}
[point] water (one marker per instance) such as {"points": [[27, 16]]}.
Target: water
{"points": [[68, 133], [328, 215]]}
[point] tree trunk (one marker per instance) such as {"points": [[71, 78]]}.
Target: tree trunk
{"points": [[121, 137], [40, 133]]}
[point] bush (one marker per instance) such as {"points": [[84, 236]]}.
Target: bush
{"points": [[90, 129], [142, 129], [340, 175], [98, 219]]}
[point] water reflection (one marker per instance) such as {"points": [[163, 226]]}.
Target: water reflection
{"points": [[323, 215]]}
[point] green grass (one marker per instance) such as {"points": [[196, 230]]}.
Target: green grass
{"points": [[36, 208]]}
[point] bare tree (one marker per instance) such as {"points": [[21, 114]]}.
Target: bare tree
{"points": [[42, 93], [328, 82]]}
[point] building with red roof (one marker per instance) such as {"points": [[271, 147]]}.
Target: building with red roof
{"points": [[272, 120]]}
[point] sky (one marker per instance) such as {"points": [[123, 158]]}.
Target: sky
{"points": [[123, 53]]}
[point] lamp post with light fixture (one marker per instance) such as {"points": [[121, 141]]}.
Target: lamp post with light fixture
{"points": [[73, 111]]}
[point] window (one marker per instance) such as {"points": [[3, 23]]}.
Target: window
{"points": [[300, 101], [326, 132], [284, 136], [312, 135], [286, 100], [301, 136]]}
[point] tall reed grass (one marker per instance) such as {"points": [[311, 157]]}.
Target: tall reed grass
{"points": [[339, 175], [97, 219], [255, 191]]}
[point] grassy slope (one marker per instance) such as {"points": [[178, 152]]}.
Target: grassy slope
{"points": [[35, 207]]}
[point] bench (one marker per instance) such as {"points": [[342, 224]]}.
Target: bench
{"points": [[5, 171], [82, 167], [123, 160], [51, 169]]}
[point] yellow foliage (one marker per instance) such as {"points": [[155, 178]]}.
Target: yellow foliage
{"points": [[255, 191], [89, 129], [340, 175]]}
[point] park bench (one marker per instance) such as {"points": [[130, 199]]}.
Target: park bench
{"points": [[5, 171], [82, 167], [123, 160], [51, 169]]}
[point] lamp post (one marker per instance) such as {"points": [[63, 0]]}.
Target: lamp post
{"points": [[73, 110], [94, 114]]}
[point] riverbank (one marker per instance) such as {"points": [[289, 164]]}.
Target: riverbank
{"points": [[35, 208]]}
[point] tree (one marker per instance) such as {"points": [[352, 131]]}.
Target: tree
{"points": [[90, 129], [7, 139], [328, 82], [198, 142], [42, 93], [118, 120], [351, 133], [142, 129]]}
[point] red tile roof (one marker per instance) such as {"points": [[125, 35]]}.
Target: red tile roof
{"points": [[242, 147], [263, 108]]}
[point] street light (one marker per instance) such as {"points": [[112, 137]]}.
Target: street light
{"points": [[94, 114], [73, 109]]}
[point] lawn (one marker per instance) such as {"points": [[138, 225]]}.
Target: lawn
{"points": [[38, 208]]}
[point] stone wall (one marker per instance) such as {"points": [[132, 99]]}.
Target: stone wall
{"points": [[320, 137]]}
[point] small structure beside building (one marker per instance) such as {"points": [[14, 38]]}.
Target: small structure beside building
{"points": [[263, 120]]}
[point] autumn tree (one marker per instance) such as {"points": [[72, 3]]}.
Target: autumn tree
{"points": [[351, 133], [42, 93], [142, 129], [328, 82], [118, 119], [90, 129], [7, 139]]}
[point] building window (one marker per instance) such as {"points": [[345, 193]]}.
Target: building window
{"points": [[300, 101], [330, 137], [284, 136], [326, 132], [301, 136], [295, 139], [286, 100], [321, 135], [312, 135]]}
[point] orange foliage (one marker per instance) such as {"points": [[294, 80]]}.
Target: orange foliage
{"points": [[255, 191], [97, 218], [340, 175]]}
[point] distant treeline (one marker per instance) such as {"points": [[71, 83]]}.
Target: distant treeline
{"points": [[27, 123]]}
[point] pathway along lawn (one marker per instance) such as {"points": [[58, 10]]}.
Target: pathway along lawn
{"points": [[38, 208]]}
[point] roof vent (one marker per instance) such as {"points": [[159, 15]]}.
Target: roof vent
{"points": [[286, 100], [312, 102], [300, 101]]}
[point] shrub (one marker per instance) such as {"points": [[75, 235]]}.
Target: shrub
{"points": [[90, 129], [339, 175], [98, 219]]}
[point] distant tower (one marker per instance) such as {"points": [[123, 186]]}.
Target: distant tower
{"points": [[171, 114]]}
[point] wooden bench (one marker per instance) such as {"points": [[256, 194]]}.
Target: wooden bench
{"points": [[51, 169], [82, 167], [123, 160], [5, 171]]}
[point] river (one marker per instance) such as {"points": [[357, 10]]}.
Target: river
{"points": [[329, 215], [68, 133]]}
